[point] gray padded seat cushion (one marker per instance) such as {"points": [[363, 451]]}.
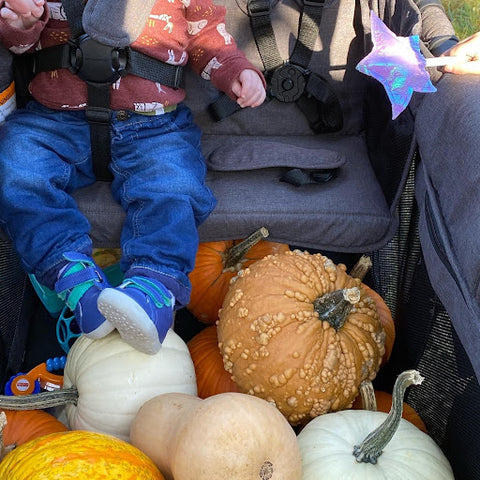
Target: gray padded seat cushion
{"points": [[348, 213]]}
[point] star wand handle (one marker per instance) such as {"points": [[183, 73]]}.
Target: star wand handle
{"points": [[442, 61]]}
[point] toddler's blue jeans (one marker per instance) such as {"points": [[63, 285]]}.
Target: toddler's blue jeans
{"points": [[159, 179]]}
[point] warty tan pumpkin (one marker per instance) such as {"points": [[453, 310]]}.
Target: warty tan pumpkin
{"points": [[298, 331]]}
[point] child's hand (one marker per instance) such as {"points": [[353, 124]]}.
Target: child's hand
{"points": [[22, 13], [249, 89]]}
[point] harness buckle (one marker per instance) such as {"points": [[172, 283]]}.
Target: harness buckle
{"points": [[258, 8], [95, 62], [288, 82], [314, 3]]}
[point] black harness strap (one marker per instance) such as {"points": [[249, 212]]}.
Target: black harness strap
{"points": [[308, 32], [301, 176], [98, 114], [259, 13], [98, 94], [125, 61], [74, 11]]}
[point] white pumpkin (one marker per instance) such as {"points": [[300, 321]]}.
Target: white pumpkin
{"points": [[333, 446], [114, 380]]}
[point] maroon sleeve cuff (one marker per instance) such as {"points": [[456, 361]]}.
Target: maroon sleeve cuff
{"points": [[19, 39]]}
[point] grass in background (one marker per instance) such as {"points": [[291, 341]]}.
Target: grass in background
{"points": [[465, 16]]}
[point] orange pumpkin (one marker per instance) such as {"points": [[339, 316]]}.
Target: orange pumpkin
{"points": [[384, 404], [26, 425], [212, 378], [359, 270], [386, 320], [78, 454], [217, 263]]}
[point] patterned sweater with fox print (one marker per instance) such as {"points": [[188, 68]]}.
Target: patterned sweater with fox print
{"points": [[177, 32]]}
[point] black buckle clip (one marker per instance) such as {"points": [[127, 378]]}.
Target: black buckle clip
{"points": [[98, 115], [257, 8], [96, 62], [314, 3], [287, 82]]}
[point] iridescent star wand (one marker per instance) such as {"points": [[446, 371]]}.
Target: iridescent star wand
{"points": [[398, 64]]}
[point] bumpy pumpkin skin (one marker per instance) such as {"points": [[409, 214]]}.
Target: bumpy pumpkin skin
{"points": [[386, 320], [80, 455], [25, 425], [275, 346]]}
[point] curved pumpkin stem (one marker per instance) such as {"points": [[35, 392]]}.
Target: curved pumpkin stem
{"points": [[235, 253], [367, 394], [39, 401], [374, 443]]}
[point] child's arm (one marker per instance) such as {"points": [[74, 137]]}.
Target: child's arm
{"points": [[22, 14], [249, 89]]}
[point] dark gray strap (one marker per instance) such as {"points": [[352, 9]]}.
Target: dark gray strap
{"points": [[98, 114], [98, 111], [308, 32], [139, 64], [259, 13], [74, 11], [299, 176]]}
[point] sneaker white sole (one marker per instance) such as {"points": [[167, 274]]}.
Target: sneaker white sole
{"points": [[102, 331], [134, 325]]}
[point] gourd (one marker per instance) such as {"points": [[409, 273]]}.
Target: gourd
{"points": [[296, 330], [77, 454], [212, 378], [227, 436], [362, 444], [22, 426], [217, 263], [106, 381]]}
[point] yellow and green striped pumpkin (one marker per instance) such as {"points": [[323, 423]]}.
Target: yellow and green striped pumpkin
{"points": [[78, 454]]}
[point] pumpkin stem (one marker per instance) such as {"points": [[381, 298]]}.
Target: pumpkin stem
{"points": [[334, 307], [235, 253], [367, 394], [361, 268], [39, 401], [374, 443], [4, 449]]}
